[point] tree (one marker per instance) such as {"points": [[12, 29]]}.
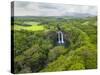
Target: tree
{"points": [[77, 66], [89, 55], [56, 52]]}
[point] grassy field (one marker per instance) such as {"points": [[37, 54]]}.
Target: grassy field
{"points": [[34, 27], [31, 23]]}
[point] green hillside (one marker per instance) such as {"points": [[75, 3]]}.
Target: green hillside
{"points": [[36, 48]]}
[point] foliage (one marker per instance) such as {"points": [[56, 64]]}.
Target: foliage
{"points": [[56, 52], [36, 48]]}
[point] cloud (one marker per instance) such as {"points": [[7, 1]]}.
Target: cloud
{"points": [[50, 9]]}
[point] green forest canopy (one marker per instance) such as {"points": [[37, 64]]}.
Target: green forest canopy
{"points": [[36, 50]]}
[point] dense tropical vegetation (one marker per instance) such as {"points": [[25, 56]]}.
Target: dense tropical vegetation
{"points": [[36, 48]]}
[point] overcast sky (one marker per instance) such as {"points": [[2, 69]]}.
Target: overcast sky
{"points": [[22, 8]]}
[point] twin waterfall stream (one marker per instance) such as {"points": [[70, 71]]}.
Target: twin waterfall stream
{"points": [[60, 37]]}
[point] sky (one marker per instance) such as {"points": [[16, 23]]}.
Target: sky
{"points": [[22, 8]]}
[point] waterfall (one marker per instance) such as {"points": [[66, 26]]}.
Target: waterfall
{"points": [[60, 37]]}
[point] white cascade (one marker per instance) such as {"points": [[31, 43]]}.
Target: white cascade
{"points": [[62, 39]]}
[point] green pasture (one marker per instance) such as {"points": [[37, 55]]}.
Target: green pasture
{"points": [[32, 27]]}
